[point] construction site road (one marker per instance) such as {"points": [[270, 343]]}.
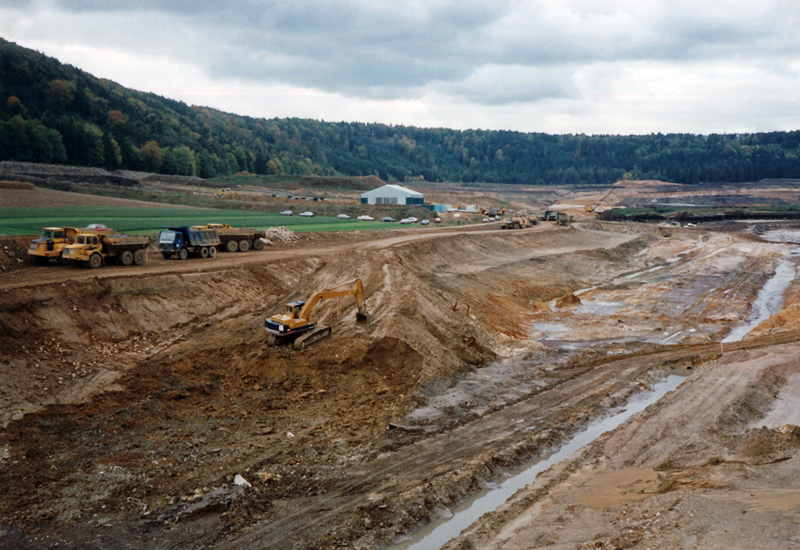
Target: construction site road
{"points": [[368, 241]]}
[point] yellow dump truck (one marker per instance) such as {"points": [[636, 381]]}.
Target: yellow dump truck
{"points": [[520, 221], [51, 243], [232, 239], [96, 245]]}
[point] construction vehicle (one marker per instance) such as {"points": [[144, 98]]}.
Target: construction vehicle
{"points": [[593, 208], [562, 218], [520, 220], [183, 241], [224, 192], [237, 238], [50, 245], [492, 212], [297, 323], [549, 216], [97, 244]]}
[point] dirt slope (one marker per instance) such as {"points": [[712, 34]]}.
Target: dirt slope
{"points": [[135, 396]]}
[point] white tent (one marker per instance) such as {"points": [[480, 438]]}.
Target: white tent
{"points": [[392, 194]]}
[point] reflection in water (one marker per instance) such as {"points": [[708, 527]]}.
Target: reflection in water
{"points": [[437, 534]]}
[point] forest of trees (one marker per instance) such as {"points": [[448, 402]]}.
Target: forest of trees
{"points": [[55, 113]]}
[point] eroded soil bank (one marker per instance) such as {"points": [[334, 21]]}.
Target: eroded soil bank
{"points": [[133, 400]]}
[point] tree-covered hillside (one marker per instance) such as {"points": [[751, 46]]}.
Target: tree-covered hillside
{"points": [[56, 113]]}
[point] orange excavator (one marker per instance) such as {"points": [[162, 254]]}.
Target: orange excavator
{"points": [[297, 324]]}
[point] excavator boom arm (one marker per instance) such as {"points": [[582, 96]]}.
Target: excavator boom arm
{"points": [[356, 291]]}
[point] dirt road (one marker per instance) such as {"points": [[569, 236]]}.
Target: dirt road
{"points": [[134, 397]]}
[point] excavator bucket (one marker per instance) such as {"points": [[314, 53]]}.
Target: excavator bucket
{"points": [[364, 319]]}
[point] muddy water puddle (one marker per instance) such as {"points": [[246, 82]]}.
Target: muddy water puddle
{"points": [[768, 302], [600, 307], [438, 533], [785, 235]]}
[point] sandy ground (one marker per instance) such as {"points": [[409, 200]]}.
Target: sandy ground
{"points": [[134, 397]]}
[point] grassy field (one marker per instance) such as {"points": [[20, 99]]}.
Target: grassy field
{"points": [[148, 221]]}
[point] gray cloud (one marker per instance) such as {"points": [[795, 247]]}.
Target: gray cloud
{"points": [[380, 50], [565, 54]]}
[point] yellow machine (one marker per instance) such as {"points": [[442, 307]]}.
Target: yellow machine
{"points": [[593, 208], [224, 192], [50, 245], [297, 322], [520, 221], [97, 245]]}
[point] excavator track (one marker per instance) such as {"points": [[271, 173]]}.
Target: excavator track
{"points": [[312, 337]]}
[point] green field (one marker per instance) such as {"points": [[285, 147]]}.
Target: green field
{"points": [[148, 221]]}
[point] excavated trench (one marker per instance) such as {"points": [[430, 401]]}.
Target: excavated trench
{"points": [[132, 403]]}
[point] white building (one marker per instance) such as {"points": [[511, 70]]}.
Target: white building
{"points": [[392, 194]]}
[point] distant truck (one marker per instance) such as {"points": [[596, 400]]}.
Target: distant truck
{"points": [[549, 216], [520, 221], [562, 218], [184, 241], [97, 244], [50, 245], [232, 239]]}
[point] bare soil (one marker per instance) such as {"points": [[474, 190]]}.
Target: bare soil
{"points": [[134, 399]]}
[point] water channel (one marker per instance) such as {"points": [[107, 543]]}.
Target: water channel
{"points": [[438, 533], [768, 302]]}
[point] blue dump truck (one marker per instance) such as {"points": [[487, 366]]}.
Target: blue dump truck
{"points": [[184, 241]]}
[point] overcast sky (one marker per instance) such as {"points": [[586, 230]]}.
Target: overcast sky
{"points": [[556, 66]]}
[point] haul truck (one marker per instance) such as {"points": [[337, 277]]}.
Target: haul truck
{"points": [[184, 241], [93, 247], [50, 245], [232, 239], [520, 221]]}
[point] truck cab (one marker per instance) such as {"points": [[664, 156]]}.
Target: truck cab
{"points": [[170, 241], [86, 243], [51, 243]]}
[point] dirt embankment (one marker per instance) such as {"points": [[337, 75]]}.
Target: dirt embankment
{"points": [[135, 399], [189, 381], [13, 253]]}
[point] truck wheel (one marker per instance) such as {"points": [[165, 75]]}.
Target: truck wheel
{"points": [[139, 256], [183, 254], [231, 246], [244, 246], [95, 261], [212, 251], [166, 255], [258, 244], [203, 252], [126, 258]]}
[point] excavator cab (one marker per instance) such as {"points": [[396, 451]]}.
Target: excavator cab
{"points": [[293, 309]]}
